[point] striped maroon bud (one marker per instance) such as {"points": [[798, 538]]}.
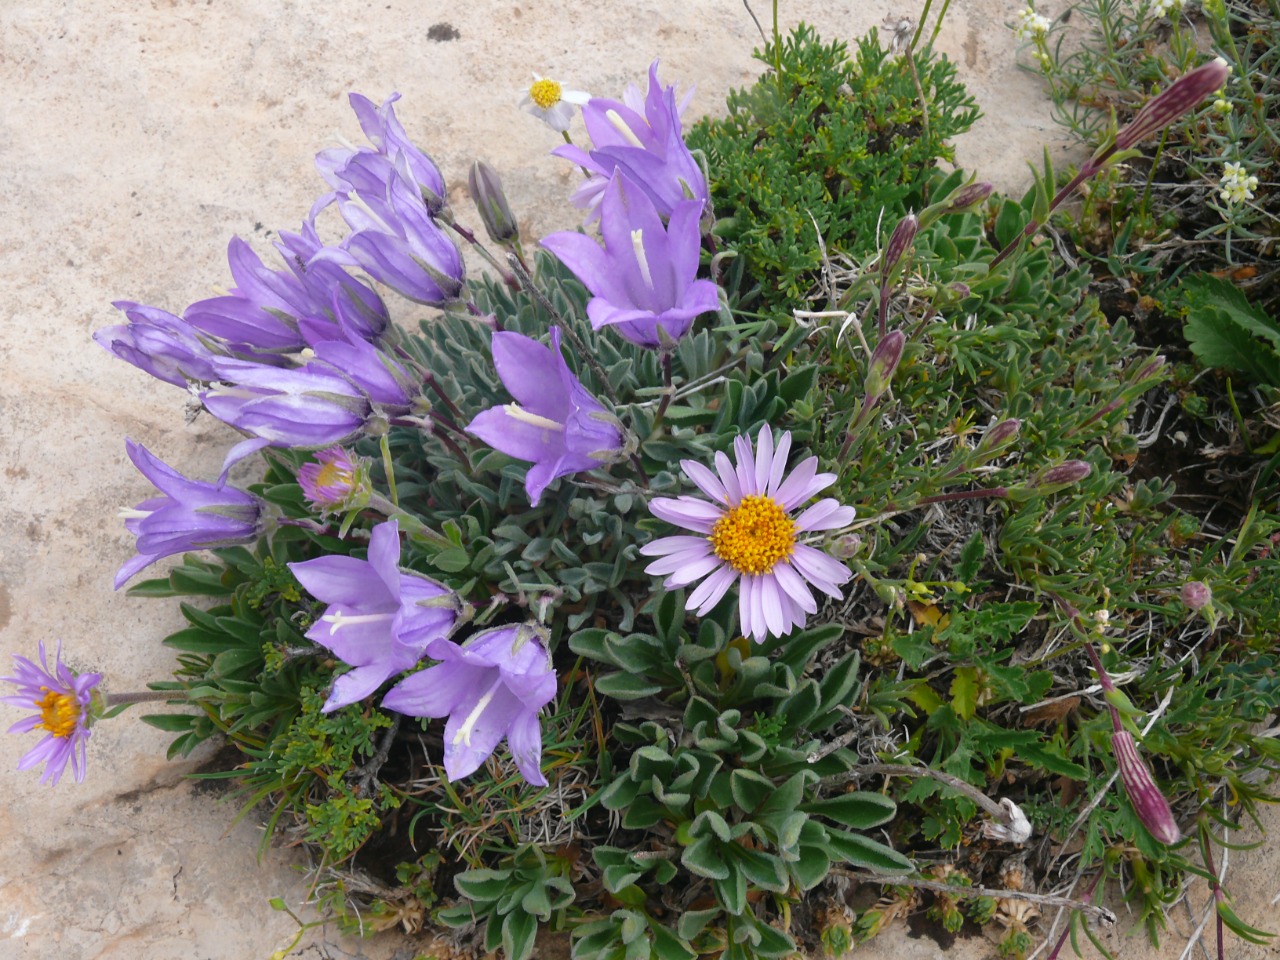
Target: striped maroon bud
{"points": [[997, 435], [899, 241], [1063, 475], [966, 198], [883, 365], [1148, 802], [1184, 95]]}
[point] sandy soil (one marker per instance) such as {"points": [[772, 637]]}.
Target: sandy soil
{"points": [[137, 138]]}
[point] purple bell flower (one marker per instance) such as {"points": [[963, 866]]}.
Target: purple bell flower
{"points": [[647, 146], [397, 242], [555, 424], [158, 343], [380, 619], [491, 687], [339, 302], [308, 406], [383, 380], [192, 515], [388, 136], [644, 278]]}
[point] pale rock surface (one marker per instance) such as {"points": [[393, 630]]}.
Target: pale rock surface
{"points": [[136, 139]]}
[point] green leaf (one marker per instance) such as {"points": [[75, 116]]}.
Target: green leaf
{"points": [[626, 686], [858, 810], [1225, 330], [732, 890], [518, 933], [170, 722], [482, 885], [862, 851], [451, 560], [702, 857], [964, 692], [750, 789], [693, 922]]}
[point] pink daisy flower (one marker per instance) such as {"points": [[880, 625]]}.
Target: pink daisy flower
{"points": [[747, 534], [62, 699]]}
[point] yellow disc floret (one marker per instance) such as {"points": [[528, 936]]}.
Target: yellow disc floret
{"points": [[334, 475], [754, 535], [545, 93], [59, 712]]}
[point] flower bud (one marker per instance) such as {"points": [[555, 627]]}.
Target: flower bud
{"points": [[961, 200], [1062, 476], [999, 434], [1183, 96], [883, 365], [845, 547], [1196, 594], [899, 241], [1148, 802], [491, 201], [336, 480]]}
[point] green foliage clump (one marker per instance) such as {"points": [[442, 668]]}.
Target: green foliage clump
{"points": [[811, 157]]}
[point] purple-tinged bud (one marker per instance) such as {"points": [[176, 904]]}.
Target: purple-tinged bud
{"points": [[966, 198], [899, 241], [491, 201], [883, 365], [845, 547], [998, 435], [1149, 369], [1148, 802], [1196, 594], [1063, 475], [336, 481], [1183, 96]]}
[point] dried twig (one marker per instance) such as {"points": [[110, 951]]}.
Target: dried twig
{"points": [[1101, 914]]}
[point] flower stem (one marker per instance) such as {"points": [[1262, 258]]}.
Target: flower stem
{"points": [[389, 468], [143, 696]]}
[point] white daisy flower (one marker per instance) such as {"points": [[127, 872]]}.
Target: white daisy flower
{"points": [[552, 103]]}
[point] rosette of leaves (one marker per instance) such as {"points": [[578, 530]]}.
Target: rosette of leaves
{"points": [[721, 799]]}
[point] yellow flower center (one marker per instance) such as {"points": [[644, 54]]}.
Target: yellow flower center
{"points": [[754, 535], [545, 93], [334, 475], [59, 712]]}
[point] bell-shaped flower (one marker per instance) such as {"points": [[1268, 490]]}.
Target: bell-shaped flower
{"points": [[308, 406], [644, 280], [396, 240], [158, 343], [379, 619], [280, 311], [644, 141], [192, 515], [390, 140], [381, 378], [491, 687], [555, 423]]}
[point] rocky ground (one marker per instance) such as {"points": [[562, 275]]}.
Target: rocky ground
{"points": [[137, 138]]}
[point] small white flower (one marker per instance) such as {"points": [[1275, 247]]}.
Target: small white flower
{"points": [[1222, 106], [1165, 8], [1237, 186], [551, 103], [1031, 24]]}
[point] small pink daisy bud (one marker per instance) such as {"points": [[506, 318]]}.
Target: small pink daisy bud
{"points": [[335, 481], [899, 241], [884, 363], [1184, 95], [1196, 594], [1148, 802], [845, 547]]}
